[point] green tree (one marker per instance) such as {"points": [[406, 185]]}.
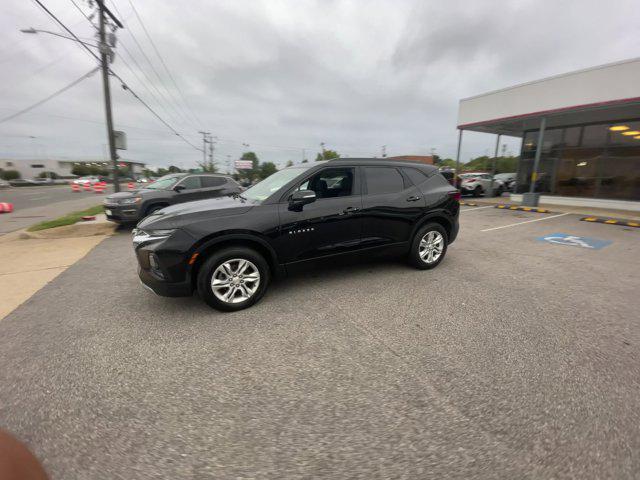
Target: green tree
{"points": [[174, 169], [80, 170], [289, 164], [327, 155], [305, 161], [266, 169], [255, 169], [10, 175], [447, 162], [162, 172]]}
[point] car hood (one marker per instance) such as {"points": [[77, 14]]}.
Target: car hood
{"points": [[182, 214]]}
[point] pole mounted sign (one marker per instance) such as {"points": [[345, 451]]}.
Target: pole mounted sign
{"points": [[120, 139], [243, 164]]}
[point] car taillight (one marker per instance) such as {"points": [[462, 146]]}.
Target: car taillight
{"points": [[455, 195]]}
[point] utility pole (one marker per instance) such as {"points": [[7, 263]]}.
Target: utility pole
{"points": [[105, 52], [205, 136], [211, 149], [384, 151]]}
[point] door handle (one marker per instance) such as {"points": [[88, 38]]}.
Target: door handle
{"points": [[413, 198], [350, 210]]}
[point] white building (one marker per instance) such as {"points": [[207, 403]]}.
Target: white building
{"points": [[580, 131], [32, 168]]}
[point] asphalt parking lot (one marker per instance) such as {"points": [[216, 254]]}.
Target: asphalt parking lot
{"points": [[515, 358]]}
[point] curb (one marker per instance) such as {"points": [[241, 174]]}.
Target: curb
{"points": [[522, 209], [612, 221], [469, 204]]}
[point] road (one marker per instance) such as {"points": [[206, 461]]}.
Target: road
{"points": [[515, 358], [35, 204]]}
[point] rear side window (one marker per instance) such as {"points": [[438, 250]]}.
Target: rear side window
{"points": [[191, 183], [416, 176], [383, 180], [208, 182]]}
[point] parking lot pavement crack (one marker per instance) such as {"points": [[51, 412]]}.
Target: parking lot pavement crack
{"points": [[446, 403], [35, 270]]}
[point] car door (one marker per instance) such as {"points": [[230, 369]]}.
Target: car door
{"points": [[391, 205], [191, 189], [330, 225]]}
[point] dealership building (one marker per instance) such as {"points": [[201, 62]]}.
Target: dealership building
{"points": [[580, 134]]}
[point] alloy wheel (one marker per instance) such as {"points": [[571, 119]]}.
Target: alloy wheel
{"points": [[431, 246], [235, 280]]}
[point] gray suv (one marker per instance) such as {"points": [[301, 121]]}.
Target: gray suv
{"points": [[132, 206]]}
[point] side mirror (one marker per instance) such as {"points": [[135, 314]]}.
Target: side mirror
{"points": [[301, 198], [179, 188]]}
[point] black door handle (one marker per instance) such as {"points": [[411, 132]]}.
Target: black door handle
{"points": [[350, 210], [413, 199]]}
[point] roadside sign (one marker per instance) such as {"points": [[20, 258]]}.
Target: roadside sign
{"points": [[120, 140], [575, 241], [243, 164]]}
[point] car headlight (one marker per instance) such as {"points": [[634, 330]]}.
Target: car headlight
{"points": [[143, 236], [130, 201]]}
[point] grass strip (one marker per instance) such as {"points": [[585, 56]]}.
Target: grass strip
{"points": [[68, 219]]}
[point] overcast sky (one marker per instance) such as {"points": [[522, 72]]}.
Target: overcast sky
{"points": [[283, 76]]}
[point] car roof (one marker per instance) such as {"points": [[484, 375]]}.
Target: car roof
{"points": [[379, 162]]}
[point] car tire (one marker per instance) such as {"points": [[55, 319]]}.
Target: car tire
{"points": [[226, 261], [153, 209], [419, 255], [499, 191], [477, 191]]}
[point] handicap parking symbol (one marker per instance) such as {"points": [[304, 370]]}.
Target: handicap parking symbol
{"points": [[575, 241]]}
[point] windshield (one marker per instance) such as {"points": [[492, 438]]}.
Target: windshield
{"points": [[269, 185], [469, 175], [163, 183]]}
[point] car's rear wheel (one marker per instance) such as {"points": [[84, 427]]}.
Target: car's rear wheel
{"points": [[233, 278], [429, 246], [477, 191]]}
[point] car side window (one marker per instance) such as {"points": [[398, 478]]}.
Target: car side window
{"points": [[330, 183], [383, 180], [210, 182], [415, 175], [190, 183]]}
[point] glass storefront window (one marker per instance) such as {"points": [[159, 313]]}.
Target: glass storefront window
{"points": [[585, 161]]}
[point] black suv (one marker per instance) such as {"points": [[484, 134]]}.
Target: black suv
{"points": [[130, 207], [229, 248]]}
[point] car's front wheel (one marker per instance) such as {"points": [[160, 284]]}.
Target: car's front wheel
{"points": [[429, 246], [233, 278]]}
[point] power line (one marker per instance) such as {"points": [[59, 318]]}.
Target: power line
{"points": [[123, 83], [53, 95], [84, 14], [178, 115], [135, 11]]}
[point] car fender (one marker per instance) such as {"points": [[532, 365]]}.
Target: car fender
{"points": [[241, 235]]}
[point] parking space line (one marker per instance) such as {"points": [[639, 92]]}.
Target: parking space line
{"points": [[474, 209], [528, 221]]}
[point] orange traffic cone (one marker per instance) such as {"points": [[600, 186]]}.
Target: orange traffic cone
{"points": [[75, 187], [131, 185], [86, 187], [6, 207]]}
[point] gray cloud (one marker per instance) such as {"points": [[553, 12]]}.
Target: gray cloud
{"points": [[285, 76]]}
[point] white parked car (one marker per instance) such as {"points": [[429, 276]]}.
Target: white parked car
{"points": [[85, 180], [477, 184]]}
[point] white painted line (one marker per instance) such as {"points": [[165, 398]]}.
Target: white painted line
{"points": [[475, 209], [528, 221]]}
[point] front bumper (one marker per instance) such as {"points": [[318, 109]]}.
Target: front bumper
{"points": [[164, 289], [171, 274], [122, 213]]}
